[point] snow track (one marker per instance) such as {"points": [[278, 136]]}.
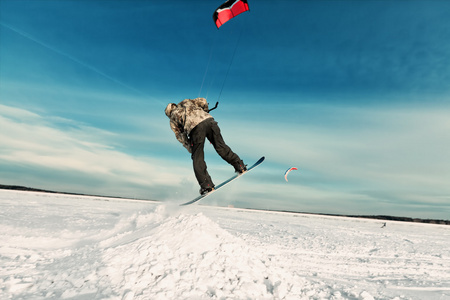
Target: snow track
{"points": [[72, 247]]}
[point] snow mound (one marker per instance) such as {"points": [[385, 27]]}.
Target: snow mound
{"points": [[187, 256]]}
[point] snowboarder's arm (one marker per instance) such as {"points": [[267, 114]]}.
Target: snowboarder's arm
{"points": [[181, 136], [202, 103]]}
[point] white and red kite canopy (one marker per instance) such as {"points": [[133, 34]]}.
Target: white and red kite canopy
{"points": [[229, 10]]}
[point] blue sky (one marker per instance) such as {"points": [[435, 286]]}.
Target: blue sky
{"points": [[355, 94]]}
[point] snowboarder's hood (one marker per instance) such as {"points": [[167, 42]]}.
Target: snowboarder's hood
{"points": [[169, 109]]}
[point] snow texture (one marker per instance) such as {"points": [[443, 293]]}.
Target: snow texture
{"points": [[74, 247]]}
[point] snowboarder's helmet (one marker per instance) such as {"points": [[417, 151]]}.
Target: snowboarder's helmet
{"points": [[169, 109]]}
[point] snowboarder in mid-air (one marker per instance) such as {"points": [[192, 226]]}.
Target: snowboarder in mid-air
{"points": [[191, 122]]}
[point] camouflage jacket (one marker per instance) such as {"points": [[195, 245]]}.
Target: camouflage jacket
{"points": [[185, 116]]}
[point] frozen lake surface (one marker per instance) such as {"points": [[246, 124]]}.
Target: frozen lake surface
{"points": [[56, 246]]}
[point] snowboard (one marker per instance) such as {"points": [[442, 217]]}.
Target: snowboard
{"points": [[225, 182]]}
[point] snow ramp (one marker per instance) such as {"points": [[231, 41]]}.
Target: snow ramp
{"points": [[187, 256]]}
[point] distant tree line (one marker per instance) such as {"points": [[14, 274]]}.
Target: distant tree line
{"points": [[29, 189], [381, 217]]}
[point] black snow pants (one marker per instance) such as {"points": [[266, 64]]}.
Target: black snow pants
{"points": [[210, 130]]}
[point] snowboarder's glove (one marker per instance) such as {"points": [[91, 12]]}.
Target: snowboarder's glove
{"points": [[188, 148]]}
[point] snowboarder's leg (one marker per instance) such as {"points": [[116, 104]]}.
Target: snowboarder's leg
{"points": [[216, 139], [198, 157]]}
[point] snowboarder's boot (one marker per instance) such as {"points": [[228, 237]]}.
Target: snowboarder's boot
{"points": [[205, 190], [240, 168]]}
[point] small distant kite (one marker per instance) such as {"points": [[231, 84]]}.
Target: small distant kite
{"points": [[229, 10], [288, 171]]}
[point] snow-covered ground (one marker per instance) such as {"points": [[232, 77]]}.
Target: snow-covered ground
{"points": [[73, 247]]}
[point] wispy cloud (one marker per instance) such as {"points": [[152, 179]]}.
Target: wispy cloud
{"points": [[395, 155], [28, 138], [384, 160], [70, 57]]}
